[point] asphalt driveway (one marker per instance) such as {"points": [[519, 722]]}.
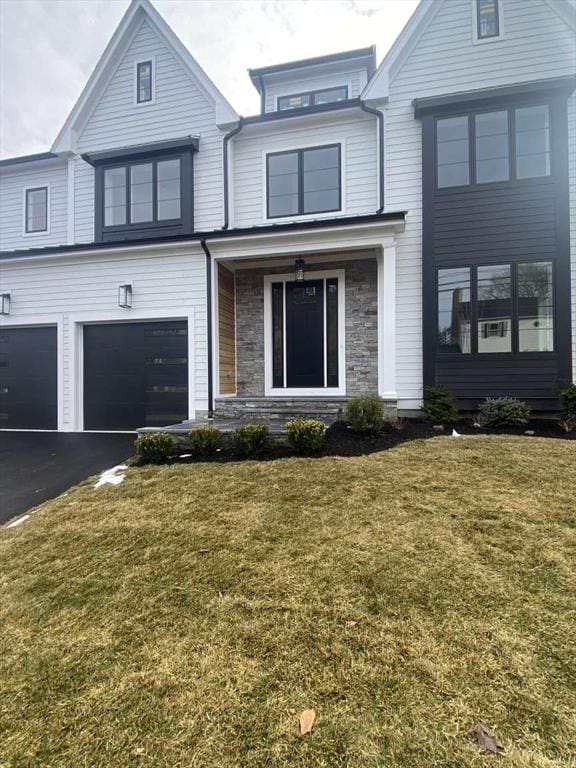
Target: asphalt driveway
{"points": [[36, 466]]}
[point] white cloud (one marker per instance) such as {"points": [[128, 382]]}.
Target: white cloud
{"points": [[48, 48]]}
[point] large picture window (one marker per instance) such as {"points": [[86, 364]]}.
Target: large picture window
{"points": [[494, 146], [496, 308], [142, 193], [303, 181]]}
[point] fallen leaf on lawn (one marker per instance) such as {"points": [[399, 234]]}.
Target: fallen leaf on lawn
{"points": [[487, 739], [307, 721]]}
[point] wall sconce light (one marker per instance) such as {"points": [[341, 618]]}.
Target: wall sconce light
{"points": [[5, 304], [125, 296], [299, 270]]}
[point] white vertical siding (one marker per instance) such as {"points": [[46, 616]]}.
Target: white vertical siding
{"points": [[298, 82], [355, 129], [63, 290], [180, 108], [13, 181], [537, 44]]}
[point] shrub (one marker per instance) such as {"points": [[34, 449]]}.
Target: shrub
{"points": [[154, 447], [251, 440], [306, 436], [568, 425], [439, 405], [568, 402], [205, 441], [365, 413], [505, 412]]}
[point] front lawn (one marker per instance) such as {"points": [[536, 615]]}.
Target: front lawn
{"points": [[186, 617]]}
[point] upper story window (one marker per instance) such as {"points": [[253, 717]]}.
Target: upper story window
{"points": [[36, 210], [493, 146], [312, 98], [144, 81], [143, 193], [496, 308], [487, 19], [304, 181]]}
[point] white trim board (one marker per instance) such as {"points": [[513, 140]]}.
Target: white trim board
{"points": [[269, 390]]}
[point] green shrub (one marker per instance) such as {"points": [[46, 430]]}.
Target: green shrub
{"points": [[307, 436], [252, 440], [205, 441], [439, 405], [154, 447], [568, 402], [505, 412], [365, 413]]}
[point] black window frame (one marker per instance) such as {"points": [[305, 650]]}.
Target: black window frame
{"points": [[157, 227], [43, 188], [515, 337], [471, 114], [496, 34], [300, 163], [140, 64], [312, 95]]}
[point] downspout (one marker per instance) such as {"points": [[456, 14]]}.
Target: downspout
{"points": [[380, 118], [209, 326], [227, 138]]}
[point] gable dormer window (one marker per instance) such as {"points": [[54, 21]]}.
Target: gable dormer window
{"points": [[487, 19], [313, 98], [144, 81]]}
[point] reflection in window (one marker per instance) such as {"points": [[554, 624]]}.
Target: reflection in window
{"points": [[492, 147], [37, 209], [144, 84], [304, 181], [532, 142], [321, 168], [168, 188], [327, 96], [114, 196], [452, 152], [535, 307], [454, 310], [141, 193], [494, 309]]}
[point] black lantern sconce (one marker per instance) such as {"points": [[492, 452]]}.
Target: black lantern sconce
{"points": [[299, 270], [125, 296], [5, 304]]}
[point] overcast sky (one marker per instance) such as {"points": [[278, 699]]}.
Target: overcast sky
{"points": [[48, 48]]}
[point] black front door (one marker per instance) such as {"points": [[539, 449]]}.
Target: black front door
{"points": [[305, 334], [135, 374]]}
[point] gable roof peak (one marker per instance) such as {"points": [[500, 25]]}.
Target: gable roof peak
{"points": [[137, 11]]}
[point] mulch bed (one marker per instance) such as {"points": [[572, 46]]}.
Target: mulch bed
{"points": [[344, 441]]}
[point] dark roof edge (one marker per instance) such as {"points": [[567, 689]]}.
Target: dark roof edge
{"points": [[316, 60], [214, 234], [565, 84], [28, 159], [156, 147], [286, 114]]}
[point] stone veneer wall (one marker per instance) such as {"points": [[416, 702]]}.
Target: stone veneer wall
{"points": [[361, 325]]}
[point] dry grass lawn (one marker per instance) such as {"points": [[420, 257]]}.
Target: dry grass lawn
{"points": [[186, 617]]}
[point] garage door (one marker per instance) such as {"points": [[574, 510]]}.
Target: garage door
{"points": [[135, 375], [28, 378]]}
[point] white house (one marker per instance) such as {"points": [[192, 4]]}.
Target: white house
{"points": [[373, 229]]}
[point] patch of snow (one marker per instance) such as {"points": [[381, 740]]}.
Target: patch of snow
{"points": [[18, 522], [456, 434], [111, 476]]}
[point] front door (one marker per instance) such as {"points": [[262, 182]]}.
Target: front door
{"points": [[305, 334]]}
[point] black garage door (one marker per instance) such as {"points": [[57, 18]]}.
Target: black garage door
{"points": [[135, 375], [28, 378]]}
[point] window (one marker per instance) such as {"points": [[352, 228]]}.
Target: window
{"points": [[454, 310], [506, 144], [492, 309], [492, 159], [535, 307], [36, 214], [144, 81], [310, 98], [487, 21], [142, 193], [303, 181], [453, 152], [532, 142]]}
